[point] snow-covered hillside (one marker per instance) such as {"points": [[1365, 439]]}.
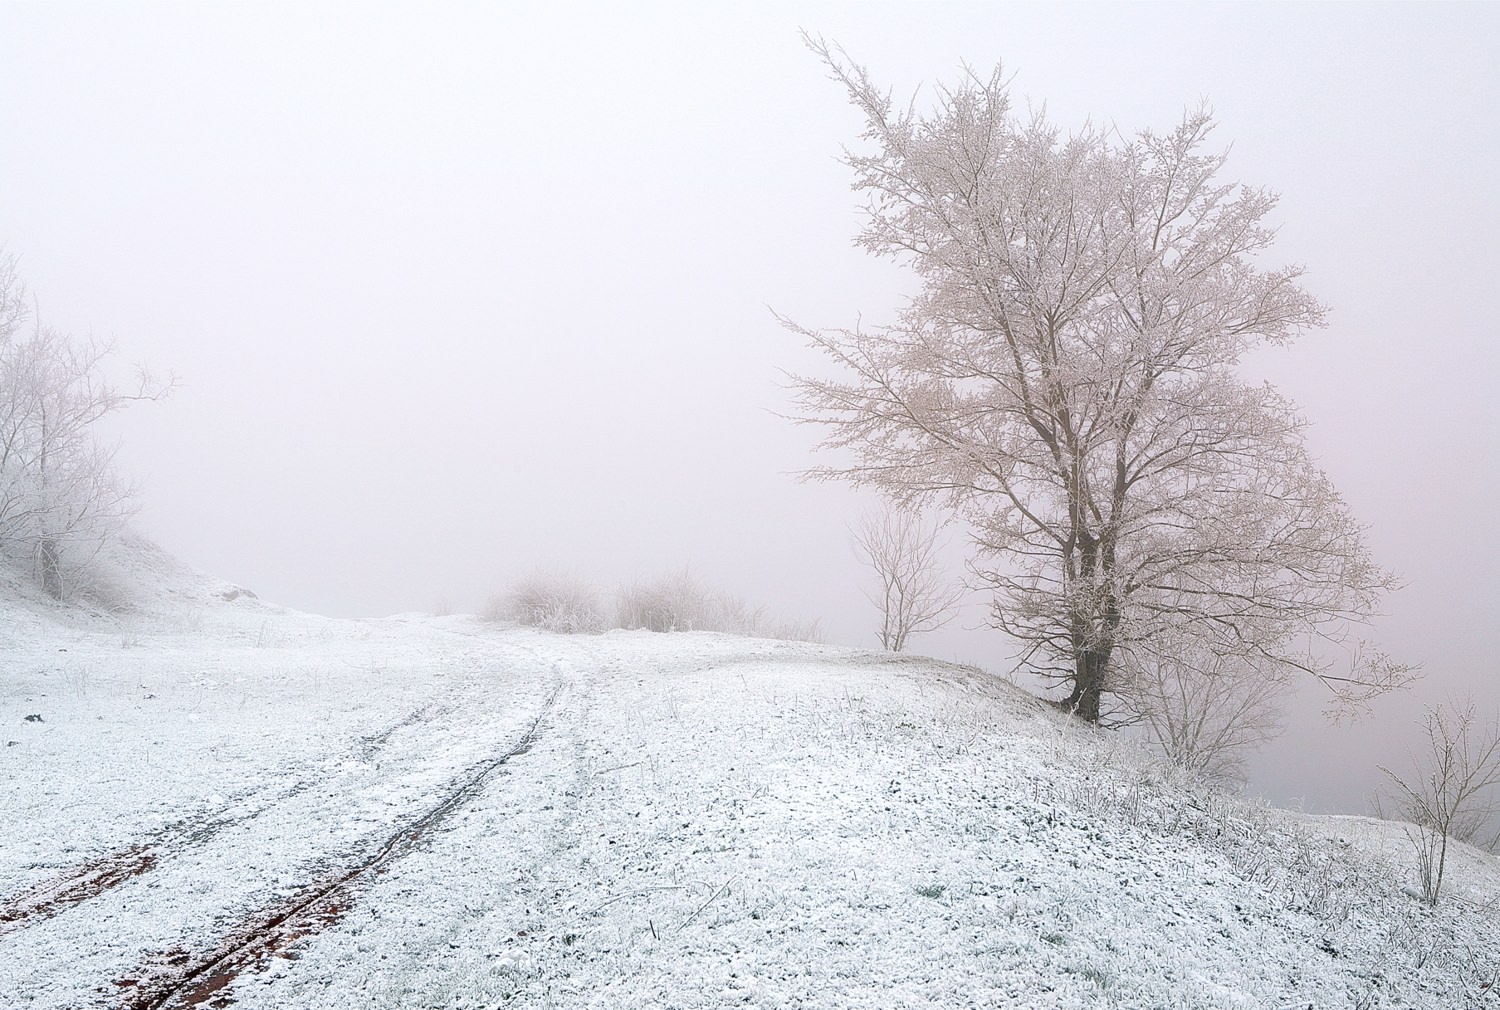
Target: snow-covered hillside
{"points": [[220, 802]]}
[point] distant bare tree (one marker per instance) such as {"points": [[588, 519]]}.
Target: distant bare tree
{"points": [[60, 499], [1454, 791], [1206, 711], [912, 593]]}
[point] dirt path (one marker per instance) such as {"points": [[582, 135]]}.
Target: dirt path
{"points": [[78, 884], [180, 979]]}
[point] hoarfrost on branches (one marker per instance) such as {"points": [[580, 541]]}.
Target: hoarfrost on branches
{"points": [[1065, 381], [60, 499]]}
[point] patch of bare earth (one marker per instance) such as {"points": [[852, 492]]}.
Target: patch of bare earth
{"points": [[177, 979], [77, 884]]}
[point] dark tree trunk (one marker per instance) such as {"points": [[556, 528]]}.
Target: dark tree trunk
{"points": [[51, 559], [1088, 684]]}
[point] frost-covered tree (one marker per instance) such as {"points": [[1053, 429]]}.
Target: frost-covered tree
{"points": [[911, 590], [60, 499], [1065, 380]]}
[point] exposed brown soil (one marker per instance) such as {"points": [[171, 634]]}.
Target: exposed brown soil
{"points": [[77, 884], [177, 980], [80, 883]]}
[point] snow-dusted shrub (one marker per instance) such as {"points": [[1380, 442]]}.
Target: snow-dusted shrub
{"points": [[810, 630], [733, 616], [682, 602], [103, 589], [552, 601], [676, 602]]}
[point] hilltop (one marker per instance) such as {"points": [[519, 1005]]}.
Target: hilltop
{"points": [[223, 801]]}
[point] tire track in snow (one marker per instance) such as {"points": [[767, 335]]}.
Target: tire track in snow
{"points": [[178, 980], [78, 884]]}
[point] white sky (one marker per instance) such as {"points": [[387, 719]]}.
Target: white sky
{"points": [[457, 291]]}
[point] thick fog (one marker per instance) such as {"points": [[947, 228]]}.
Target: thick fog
{"points": [[455, 292]]}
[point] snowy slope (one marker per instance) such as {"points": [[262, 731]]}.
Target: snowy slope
{"points": [[446, 813]]}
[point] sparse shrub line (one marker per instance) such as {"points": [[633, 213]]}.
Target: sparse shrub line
{"points": [[679, 601]]}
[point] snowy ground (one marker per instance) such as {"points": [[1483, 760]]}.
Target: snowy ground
{"points": [[688, 821]]}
